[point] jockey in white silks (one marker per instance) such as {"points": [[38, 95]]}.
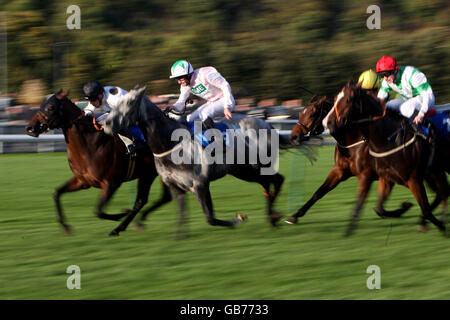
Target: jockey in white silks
{"points": [[105, 99], [416, 93], [206, 83]]}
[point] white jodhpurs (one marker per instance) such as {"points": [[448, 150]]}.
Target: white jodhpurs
{"points": [[407, 107], [209, 109]]}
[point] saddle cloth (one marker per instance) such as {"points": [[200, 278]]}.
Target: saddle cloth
{"points": [[440, 120], [201, 138]]}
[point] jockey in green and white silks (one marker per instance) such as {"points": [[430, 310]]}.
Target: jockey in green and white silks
{"points": [[206, 83], [416, 93]]}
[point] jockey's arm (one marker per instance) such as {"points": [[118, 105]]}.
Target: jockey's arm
{"points": [[181, 102], [217, 80], [383, 93], [420, 83], [89, 110]]}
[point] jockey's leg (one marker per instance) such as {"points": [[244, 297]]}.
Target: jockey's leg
{"points": [[195, 116], [101, 117], [395, 104], [410, 106], [213, 110], [137, 133], [137, 140]]}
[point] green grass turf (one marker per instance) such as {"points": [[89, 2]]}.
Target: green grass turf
{"points": [[310, 260]]}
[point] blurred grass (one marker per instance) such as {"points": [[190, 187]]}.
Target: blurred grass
{"points": [[311, 260]]}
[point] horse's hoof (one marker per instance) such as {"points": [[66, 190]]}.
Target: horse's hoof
{"points": [[406, 205], [114, 233], [274, 218], [68, 230], [421, 228], [381, 215], [350, 230], [139, 227], [240, 217], [291, 220]]}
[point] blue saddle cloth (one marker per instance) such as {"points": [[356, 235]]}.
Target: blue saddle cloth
{"points": [[200, 136], [442, 123]]}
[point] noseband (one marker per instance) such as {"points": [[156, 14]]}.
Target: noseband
{"points": [[311, 130]]}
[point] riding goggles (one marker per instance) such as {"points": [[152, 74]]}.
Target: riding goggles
{"points": [[386, 73]]}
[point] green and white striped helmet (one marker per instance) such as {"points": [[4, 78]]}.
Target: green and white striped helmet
{"points": [[181, 68]]}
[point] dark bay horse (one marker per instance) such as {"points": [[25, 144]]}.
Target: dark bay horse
{"points": [[96, 159], [190, 175], [399, 152], [351, 158]]}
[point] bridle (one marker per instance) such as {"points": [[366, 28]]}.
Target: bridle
{"points": [[313, 128], [369, 119]]}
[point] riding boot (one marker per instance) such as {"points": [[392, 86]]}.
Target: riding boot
{"points": [[138, 138], [208, 123], [136, 146]]}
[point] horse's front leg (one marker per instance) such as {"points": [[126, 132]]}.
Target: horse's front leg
{"points": [[180, 196], [141, 199], [73, 184], [363, 189], [204, 198], [166, 197], [108, 190], [336, 176]]}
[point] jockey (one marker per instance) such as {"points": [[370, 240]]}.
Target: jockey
{"points": [[206, 83], [106, 98], [370, 81], [410, 83]]}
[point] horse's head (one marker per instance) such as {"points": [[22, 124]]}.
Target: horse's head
{"points": [[49, 115], [310, 120], [343, 112], [127, 113]]}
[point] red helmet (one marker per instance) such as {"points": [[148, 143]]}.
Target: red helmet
{"points": [[386, 63]]}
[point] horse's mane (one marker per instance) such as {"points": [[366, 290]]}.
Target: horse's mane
{"points": [[370, 100], [148, 107]]}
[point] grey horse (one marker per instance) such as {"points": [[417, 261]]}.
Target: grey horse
{"points": [[194, 173]]}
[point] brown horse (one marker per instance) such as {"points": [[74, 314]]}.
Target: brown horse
{"points": [[399, 152], [96, 159], [351, 158]]}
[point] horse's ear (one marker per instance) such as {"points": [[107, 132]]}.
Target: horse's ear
{"points": [[323, 99], [136, 87], [61, 95], [314, 98], [141, 92]]}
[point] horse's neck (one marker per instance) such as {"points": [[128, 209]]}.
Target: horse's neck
{"points": [[70, 112], [349, 136], [160, 132], [82, 138]]}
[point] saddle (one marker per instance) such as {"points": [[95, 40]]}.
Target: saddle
{"points": [[206, 125]]}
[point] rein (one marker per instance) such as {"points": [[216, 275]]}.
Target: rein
{"points": [[370, 119], [160, 155], [42, 115], [314, 124], [352, 145], [392, 151]]}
